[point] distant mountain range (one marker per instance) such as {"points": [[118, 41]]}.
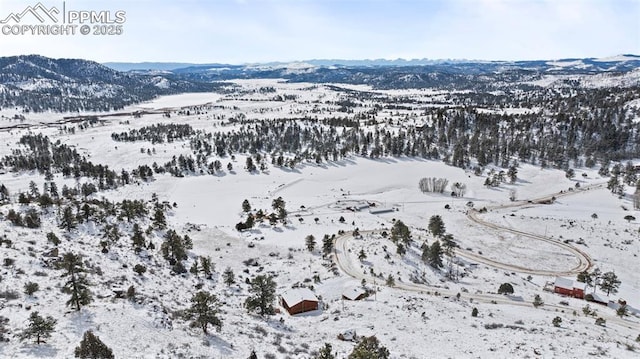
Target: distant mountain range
{"points": [[597, 64], [37, 83], [443, 74]]}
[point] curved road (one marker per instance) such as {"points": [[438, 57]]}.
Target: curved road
{"points": [[584, 263]]}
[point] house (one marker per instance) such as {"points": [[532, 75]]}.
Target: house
{"points": [[299, 300], [354, 293], [563, 286], [569, 287]]}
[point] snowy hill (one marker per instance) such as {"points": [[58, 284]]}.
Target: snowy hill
{"points": [[450, 213], [36, 83]]}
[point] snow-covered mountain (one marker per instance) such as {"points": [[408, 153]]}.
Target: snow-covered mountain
{"points": [[38, 83], [445, 74]]}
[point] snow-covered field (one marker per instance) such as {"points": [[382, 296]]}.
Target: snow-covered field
{"points": [[431, 319]]}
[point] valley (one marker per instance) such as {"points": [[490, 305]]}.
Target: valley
{"points": [[531, 178]]}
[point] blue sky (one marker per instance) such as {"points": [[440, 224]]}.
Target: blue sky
{"points": [[246, 31]]}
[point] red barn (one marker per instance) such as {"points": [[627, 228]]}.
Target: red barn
{"points": [[299, 300], [563, 286], [578, 289]]}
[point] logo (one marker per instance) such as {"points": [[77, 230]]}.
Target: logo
{"points": [[35, 11], [42, 20]]}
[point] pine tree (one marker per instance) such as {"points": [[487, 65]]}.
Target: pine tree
{"points": [[228, 277], [610, 283], [4, 321], [325, 352], [362, 255], [68, 219], [369, 348], [39, 328], [77, 285], [137, 238], [249, 165], [111, 233], [512, 173], [449, 246], [400, 232], [195, 268], [435, 255], [207, 266], [204, 311], [30, 288], [436, 226], [51, 237], [4, 194], [585, 277], [613, 184], [636, 197], [505, 288], [537, 301], [140, 269], [174, 247], [33, 190], [327, 245], [425, 252], [263, 294], [159, 219], [401, 250], [622, 311], [310, 242], [91, 347], [278, 205], [250, 222], [391, 281], [246, 206]]}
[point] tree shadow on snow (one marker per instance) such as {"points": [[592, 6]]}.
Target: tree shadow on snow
{"points": [[520, 182], [225, 348], [289, 169], [40, 351], [81, 321]]}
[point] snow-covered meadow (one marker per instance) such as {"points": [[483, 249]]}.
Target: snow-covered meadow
{"points": [[432, 319]]}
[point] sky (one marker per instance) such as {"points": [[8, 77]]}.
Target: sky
{"points": [[252, 31]]}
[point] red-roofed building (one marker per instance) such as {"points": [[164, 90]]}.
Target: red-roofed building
{"points": [[299, 300], [563, 286], [579, 289]]}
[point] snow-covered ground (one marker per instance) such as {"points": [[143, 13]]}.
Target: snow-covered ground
{"points": [[412, 320]]}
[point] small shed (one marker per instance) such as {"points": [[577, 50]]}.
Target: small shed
{"points": [[597, 298], [354, 293], [563, 286], [381, 210], [299, 300]]}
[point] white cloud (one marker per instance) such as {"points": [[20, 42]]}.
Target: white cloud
{"points": [[249, 31]]}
